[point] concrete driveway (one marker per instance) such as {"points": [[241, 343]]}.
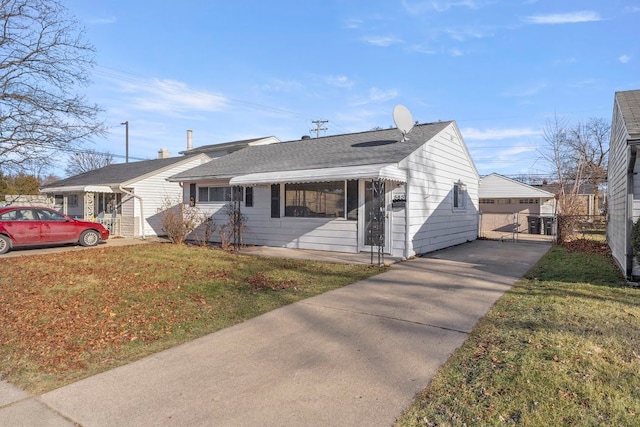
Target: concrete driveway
{"points": [[111, 242], [353, 356]]}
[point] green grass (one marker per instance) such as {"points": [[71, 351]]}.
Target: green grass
{"points": [[66, 317], [562, 347]]}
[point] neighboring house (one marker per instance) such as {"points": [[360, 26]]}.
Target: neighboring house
{"points": [[624, 179], [507, 205], [126, 197], [585, 199], [347, 193], [219, 150], [129, 197]]}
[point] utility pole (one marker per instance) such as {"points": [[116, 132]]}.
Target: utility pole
{"points": [[318, 128], [126, 138]]}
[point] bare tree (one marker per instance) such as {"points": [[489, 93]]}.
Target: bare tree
{"points": [[86, 161], [44, 61], [555, 153], [589, 143], [578, 158]]}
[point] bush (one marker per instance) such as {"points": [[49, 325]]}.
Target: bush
{"points": [[179, 220], [231, 232], [635, 239]]}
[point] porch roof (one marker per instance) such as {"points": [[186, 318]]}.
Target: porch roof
{"points": [[384, 171], [79, 189]]}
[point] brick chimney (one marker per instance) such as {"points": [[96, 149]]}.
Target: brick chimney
{"points": [[164, 153]]}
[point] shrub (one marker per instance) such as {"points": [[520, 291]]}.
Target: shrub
{"points": [[635, 239], [231, 232], [178, 220]]}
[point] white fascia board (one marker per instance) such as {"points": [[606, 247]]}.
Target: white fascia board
{"points": [[79, 189]]}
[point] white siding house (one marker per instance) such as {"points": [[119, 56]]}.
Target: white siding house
{"points": [[130, 197], [126, 197], [623, 185], [347, 193]]}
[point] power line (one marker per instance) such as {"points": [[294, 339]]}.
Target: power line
{"points": [[319, 127]]}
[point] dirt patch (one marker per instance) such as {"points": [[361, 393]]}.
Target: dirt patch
{"points": [[588, 246]]}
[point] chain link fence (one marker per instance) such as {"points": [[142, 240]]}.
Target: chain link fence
{"points": [[588, 227]]}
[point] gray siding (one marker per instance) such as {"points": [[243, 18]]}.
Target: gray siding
{"points": [[299, 233], [617, 228]]}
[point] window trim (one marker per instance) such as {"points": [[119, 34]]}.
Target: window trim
{"points": [[343, 187], [458, 193], [248, 197], [228, 192]]}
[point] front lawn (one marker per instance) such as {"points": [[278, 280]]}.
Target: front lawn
{"points": [[561, 348], [70, 315]]}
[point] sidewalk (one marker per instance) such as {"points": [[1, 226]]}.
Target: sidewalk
{"points": [[353, 356]]}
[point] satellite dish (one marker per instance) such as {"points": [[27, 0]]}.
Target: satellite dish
{"points": [[403, 120]]}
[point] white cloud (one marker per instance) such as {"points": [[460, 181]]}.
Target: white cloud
{"points": [[340, 81], [443, 6], [456, 52], [421, 49], [492, 134], [466, 34], [569, 60], [172, 97], [583, 83], [382, 41], [419, 7], [353, 24], [624, 59], [277, 85], [564, 18], [376, 95], [529, 91], [379, 95], [515, 150]]}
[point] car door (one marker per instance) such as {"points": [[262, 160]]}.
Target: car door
{"points": [[56, 227], [23, 226]]}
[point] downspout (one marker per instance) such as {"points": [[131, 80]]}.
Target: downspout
{"points": [[141, 208], [407, 216]]}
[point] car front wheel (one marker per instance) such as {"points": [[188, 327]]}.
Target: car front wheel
{"points": [[89, 238], [5, 244]]}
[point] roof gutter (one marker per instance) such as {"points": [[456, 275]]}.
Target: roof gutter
{"points": [[141, 208]]}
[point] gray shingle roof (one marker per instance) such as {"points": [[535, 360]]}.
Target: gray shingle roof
{"points": [[355, 149], [227, 147], [629, 102], [116, 173]]}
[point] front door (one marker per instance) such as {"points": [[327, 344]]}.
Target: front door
{"points": [[375, 229]]}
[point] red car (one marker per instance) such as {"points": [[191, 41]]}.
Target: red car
{"points": [[37, 226]]}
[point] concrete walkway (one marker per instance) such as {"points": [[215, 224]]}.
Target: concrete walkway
{"points": [[353, 356]]}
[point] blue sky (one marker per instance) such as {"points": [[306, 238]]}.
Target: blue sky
{"points": [[232, 70]]}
